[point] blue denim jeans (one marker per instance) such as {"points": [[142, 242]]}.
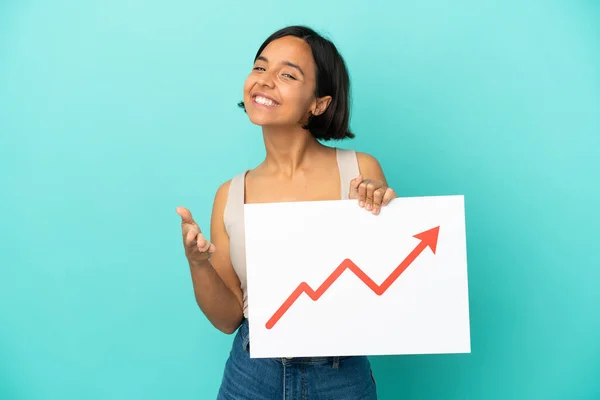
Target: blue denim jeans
{"points": [[310, 378]]}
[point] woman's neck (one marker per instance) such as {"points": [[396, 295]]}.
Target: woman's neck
{"points": [[288, 149]]}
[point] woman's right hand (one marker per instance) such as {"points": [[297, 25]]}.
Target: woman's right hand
{"points": [[197, 249]]}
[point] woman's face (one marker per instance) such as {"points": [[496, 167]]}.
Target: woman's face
{"points": [[280, 89]]}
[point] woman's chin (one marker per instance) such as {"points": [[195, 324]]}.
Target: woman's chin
{"points": [[263, 121]]}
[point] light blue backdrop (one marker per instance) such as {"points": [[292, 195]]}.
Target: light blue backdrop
{"points": [[112, 113]]}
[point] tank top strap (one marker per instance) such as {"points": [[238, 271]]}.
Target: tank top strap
{"points": [[234, 207], [348, 166]]}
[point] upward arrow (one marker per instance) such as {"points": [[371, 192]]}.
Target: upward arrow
{"points": [[428, 238]]}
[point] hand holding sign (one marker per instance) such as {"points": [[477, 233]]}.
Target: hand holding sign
{"points": [[371, 194]]}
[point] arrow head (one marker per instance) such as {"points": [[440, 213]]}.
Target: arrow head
{"points": [[429, 237]]}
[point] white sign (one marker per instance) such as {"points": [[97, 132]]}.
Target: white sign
{"points": [[328, 278]]}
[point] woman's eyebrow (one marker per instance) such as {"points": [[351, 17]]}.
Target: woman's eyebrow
{"points": [[288, 63]]}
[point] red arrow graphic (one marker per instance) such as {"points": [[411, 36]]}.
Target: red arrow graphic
{"points": [[428, 238]]}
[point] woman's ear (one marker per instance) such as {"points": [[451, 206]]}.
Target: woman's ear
{"points": [[321, 105]]}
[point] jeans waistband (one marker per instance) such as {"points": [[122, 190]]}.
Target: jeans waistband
{"points": [[318, 360]]}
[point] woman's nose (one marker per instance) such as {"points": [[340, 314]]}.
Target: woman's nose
{"points": [[266, 79]]}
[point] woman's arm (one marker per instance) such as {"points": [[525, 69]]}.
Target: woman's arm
{"points": [[216, 285]]}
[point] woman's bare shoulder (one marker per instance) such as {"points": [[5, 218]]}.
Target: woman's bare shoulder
{"points": [[369, 166]]}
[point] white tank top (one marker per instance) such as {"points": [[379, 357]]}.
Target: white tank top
{"points": [[234, 214]]}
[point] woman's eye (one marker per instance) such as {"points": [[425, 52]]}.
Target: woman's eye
{"points": [[289, 76], [258, 69]]}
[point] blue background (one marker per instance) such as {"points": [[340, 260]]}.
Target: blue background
{"points": [[113, 113]]}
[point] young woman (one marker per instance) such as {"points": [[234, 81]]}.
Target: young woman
{"points": [[298, 92]]}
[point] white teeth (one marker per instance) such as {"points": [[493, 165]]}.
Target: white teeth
{"points": [[265, 101]]}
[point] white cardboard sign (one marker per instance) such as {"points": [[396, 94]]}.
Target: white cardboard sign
{"points": [[328, 278]]}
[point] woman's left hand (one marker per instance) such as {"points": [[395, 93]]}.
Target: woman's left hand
{"points": [[371, 194]]}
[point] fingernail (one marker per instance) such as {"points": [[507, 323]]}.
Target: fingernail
{"points": [[369, 207], [361, 203]]}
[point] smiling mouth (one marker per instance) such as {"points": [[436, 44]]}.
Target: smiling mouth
{"points": [[264, 101]]}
